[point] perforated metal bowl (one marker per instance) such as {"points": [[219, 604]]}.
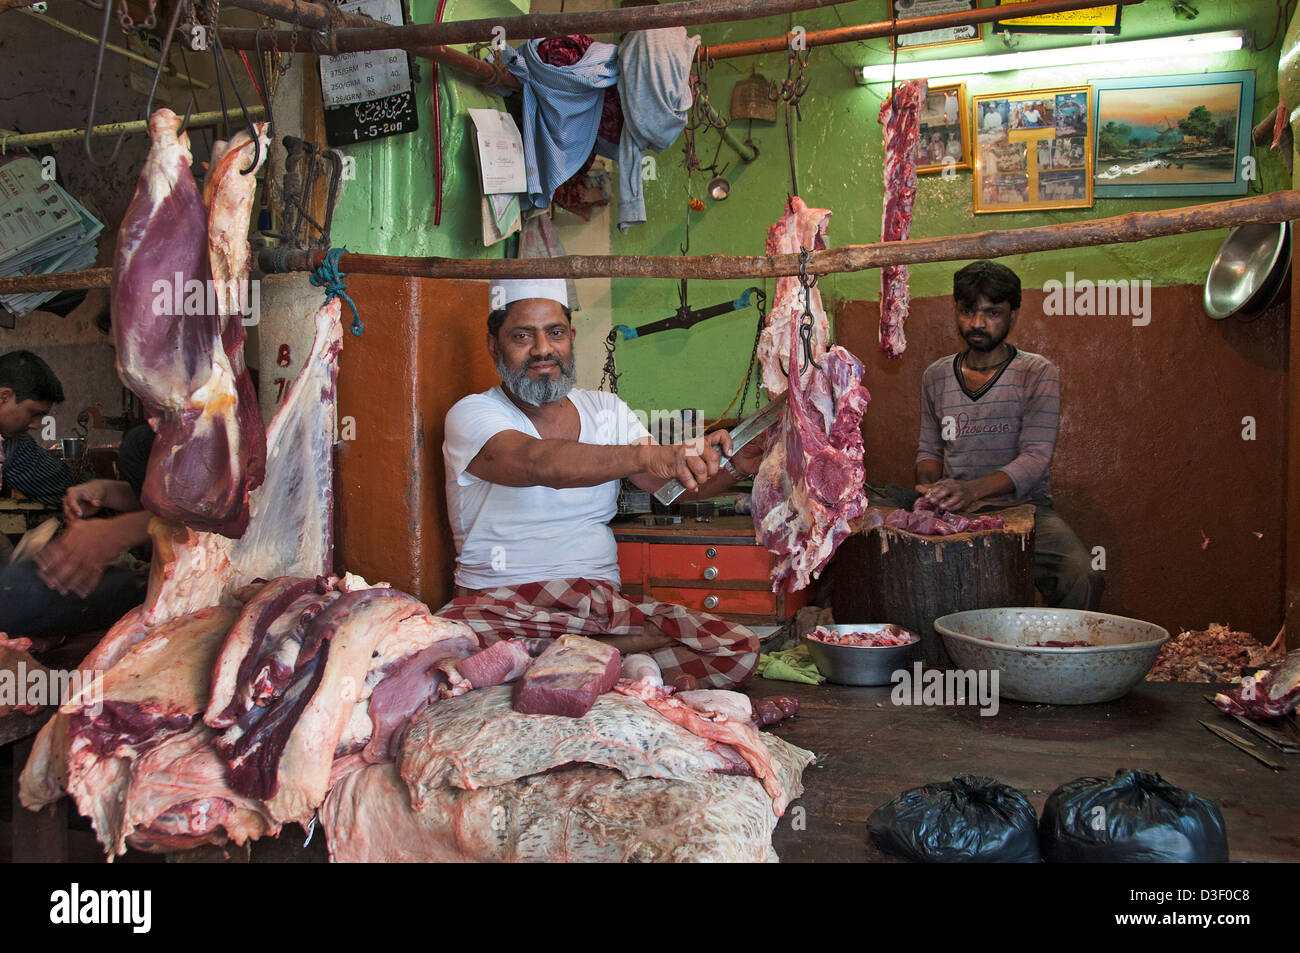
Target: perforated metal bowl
{"points": [[1120, 652]]}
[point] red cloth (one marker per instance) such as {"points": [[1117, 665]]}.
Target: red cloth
{"points": [[713, 651], [563, 50]]}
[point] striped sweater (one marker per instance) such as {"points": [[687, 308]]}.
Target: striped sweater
{"points": [[1009, 425]]}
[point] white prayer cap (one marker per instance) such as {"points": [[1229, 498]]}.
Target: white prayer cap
{"points": [[505, 291]]}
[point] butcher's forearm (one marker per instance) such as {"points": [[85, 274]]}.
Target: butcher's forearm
{"points": [[131, 529], [995, 484], [561, 464], [929, 471]]}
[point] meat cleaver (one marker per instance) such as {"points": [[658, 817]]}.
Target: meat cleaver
{"points": [[744, 432]]}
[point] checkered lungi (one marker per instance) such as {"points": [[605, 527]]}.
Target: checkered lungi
{"points": [[713, 651]]}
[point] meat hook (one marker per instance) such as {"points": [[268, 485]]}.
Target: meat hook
{"points": [[162, 58], [94, 93], [220, 55]]}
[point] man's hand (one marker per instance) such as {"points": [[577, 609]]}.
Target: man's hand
{"points": [[952, 495], [87, 499], [75, 560], [693, 462]]}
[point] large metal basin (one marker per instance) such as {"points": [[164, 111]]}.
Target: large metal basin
{"points": [[1120, 653], [1249, 269]]}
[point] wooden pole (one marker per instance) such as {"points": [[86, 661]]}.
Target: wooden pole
{"points": [[1133, 227], [530, 25], [423, 38]]}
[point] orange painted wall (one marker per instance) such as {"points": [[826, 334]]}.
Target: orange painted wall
{"points": [[422, 350]]}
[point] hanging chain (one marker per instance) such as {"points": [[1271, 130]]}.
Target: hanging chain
{"points": [[753, 354], [611, 370], [806, 319]]}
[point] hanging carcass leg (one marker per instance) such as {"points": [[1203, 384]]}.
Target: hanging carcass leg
{"points": [[172, 353]]}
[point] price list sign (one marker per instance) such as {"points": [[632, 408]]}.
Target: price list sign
{"points": [[368, 95]]}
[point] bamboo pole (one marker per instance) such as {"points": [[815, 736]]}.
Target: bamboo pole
{"points": [[17, 141], [530, 25], [1119, 229]]}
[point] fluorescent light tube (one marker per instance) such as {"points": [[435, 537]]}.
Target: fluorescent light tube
{"points": [[1223, 41]]}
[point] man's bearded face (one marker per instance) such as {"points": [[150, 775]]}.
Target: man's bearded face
{"points": [[534, 352]]}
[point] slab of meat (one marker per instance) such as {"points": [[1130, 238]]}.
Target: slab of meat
{"points": [[157, 690], [900, 115], [499, 663], [568, 677], [478, 740], [178, 797], [171, 352], [716, 726], [294, 701], [1274, 691], [799, 228], [578, 814], [45, 775]]}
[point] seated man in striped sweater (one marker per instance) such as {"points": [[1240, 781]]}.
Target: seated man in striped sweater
{"points": [[988, 428]]}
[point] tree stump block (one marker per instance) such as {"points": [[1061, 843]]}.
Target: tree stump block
{"points": [[887, 574]]}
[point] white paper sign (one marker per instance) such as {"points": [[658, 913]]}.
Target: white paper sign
{"points": [[370, 74], [500, 152]]}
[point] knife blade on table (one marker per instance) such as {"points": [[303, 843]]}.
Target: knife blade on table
{"points": [[1242, 744], [742, 434]]}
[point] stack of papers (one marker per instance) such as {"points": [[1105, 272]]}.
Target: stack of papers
{"points": [[43, 230]]}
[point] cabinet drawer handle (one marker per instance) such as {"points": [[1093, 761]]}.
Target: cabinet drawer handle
{"points": [[710, 572], [710, 602], [710, 553]]}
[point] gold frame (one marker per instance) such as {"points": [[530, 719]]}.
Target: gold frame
{"points": [[963, 121], [893, 40], [984, 145]]}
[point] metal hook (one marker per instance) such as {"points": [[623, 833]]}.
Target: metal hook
{"points": [[162, 58], [261, 73], [248, 120], [94, 93]]}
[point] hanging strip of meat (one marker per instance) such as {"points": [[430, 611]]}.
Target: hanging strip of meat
{"points": [[809, 487], [900, 115]]}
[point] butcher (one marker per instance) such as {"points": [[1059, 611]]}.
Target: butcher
{"points": [[989, 417], [533, 470], [72, 585]]}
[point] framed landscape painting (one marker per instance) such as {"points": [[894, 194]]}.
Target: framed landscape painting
{"points": [[1157, 136]]}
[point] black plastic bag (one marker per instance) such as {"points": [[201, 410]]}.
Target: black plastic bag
{"points": [[1135, 817], [968, 819]]}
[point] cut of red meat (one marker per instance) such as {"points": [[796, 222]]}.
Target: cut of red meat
{"points": [[900, 115], [568, 677], [1273, 692]]}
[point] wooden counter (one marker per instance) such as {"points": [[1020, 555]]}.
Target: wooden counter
{"points": [[869, 750]]}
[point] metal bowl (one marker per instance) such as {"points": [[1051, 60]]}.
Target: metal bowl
{"points": [[862, 664], [1120, 653], [1249, 269]]}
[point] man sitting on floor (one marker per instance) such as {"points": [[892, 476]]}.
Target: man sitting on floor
{"points": [[533, 470]]}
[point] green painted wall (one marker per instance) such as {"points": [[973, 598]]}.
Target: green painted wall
{"points": [[388, 208], [839, 167]]}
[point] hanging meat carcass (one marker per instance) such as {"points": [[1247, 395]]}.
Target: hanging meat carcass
{"points": [[900, 115], [809, 487], [176, 349]]}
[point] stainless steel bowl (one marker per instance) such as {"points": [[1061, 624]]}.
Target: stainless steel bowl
{"points": [[1249, 269], [862, 665], [1120, 653]]}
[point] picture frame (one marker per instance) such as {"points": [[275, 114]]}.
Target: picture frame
{"points": [[953, 36], [1180, 135], [945, 130], [1032, 149], [1103, 18]]}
